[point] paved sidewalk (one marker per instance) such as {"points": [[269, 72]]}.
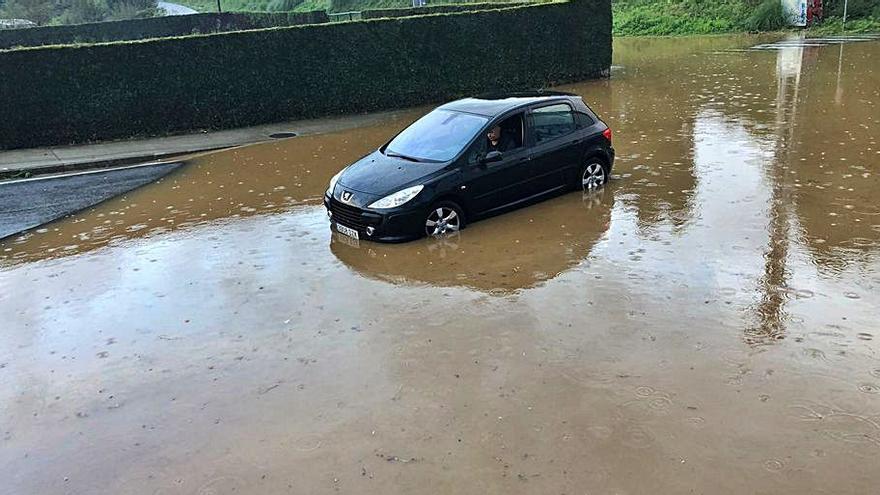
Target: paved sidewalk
{"points": [[27, 162]]}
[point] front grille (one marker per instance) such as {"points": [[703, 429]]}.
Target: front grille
{"points": [[350, 216]]}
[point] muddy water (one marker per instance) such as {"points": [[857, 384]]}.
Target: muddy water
{"points": [[706, 323]]}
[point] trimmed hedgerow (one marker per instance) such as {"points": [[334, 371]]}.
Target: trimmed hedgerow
{"points": [[154, 27], [63, 94], [433, 9]]}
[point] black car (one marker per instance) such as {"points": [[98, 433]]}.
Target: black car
{"points": [[470, 159]]}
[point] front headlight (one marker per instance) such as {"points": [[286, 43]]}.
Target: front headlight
{"points": [[333, 182], [397, 199]]}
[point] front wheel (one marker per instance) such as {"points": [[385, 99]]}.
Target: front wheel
{"points": [[593, 175], [443, 218]]}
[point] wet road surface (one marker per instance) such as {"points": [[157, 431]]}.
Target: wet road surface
{"points": [[29, 203], [707, 323]]}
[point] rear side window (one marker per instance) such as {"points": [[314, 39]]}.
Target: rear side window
{"points": [[583, 120], [552, 121]]}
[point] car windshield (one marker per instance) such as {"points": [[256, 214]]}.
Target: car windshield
{"points": [[438, 136]]}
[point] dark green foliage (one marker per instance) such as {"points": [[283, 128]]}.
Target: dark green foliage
{"points": [[55, 95], [56, 12], [84, 11], [767, 17], [284, 5], [834, 25], [432, 9], [38, 11], [855, 9], [155, 27]]}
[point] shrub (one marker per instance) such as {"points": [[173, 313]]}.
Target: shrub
{"points": [[82, 93], [767, 17], [39, 11], [83, 11], [283, 5], [855, 8]]}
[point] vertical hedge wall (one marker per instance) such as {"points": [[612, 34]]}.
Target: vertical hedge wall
{"points": [[154, 27], [53, 95], [432, 9]]}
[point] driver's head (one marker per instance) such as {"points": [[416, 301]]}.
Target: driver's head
{"points": [[494, 133]]}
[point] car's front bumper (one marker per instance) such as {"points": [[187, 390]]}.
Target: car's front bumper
{"points": [[397, 225]]}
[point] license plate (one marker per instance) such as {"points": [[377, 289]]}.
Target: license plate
{"points": [[344, 239], [342, 229]]}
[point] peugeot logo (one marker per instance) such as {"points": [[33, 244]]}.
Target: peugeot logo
{"points": [[346, 196]]}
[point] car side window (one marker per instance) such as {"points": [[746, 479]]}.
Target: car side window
{"points": [[552, 121], [506, 136], [583, 120]]}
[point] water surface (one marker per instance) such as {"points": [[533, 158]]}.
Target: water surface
{"points": [[706, 323]]}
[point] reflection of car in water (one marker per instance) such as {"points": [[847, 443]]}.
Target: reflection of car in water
{"points": [[514, 251], [470, 159]]}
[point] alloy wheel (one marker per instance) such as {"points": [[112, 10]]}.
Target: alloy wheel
{"points": [[594, 176], [442, 220]]}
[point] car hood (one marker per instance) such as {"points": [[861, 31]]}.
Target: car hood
{"points": [[380, 175]]}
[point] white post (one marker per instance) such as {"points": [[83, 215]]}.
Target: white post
{"points": [[844, 14]]}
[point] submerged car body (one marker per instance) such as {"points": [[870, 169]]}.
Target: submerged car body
{"points": [[442, 171]]}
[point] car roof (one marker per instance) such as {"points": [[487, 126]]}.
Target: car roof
{"points": [[491, 105]]}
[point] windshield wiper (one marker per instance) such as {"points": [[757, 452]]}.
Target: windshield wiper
{"points": [[398, 155]]}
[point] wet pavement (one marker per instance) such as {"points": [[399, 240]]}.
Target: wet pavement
{"points": [[29, 203], [706, 323]]}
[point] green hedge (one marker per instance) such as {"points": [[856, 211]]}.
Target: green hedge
{"points": [[76, 93], [435, 9], [154, 27], [361, 5]]}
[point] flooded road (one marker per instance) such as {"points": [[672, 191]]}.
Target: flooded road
{"points": [[706, 323]]}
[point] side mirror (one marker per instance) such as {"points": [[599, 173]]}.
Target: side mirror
{"points": [[491, 157]]}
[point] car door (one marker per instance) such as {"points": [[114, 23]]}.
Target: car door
{"points": [[555, 139], [492, 186]]}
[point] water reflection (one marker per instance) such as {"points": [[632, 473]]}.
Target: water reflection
{"points": [[514, 251]]}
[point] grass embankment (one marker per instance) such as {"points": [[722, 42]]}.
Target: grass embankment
{"points": [[834, 25], [683, 17]]}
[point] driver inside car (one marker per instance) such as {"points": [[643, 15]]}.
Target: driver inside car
{"points": [[498, 141]]}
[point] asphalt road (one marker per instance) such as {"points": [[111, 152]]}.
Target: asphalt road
{"points": [[176, 9], [28, 203]]}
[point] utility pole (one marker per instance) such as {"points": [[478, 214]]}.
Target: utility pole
{"points": [[844, 14], [219, 11]]}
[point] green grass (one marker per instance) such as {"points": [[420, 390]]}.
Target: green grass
{"points": [[663, 17], [687, 17], [834, 25]]}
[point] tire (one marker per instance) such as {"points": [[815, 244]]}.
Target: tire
{"points": [[443, 218], [593, 175]]}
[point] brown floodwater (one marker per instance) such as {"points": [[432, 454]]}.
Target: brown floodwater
{"points": [[706, 323]]}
